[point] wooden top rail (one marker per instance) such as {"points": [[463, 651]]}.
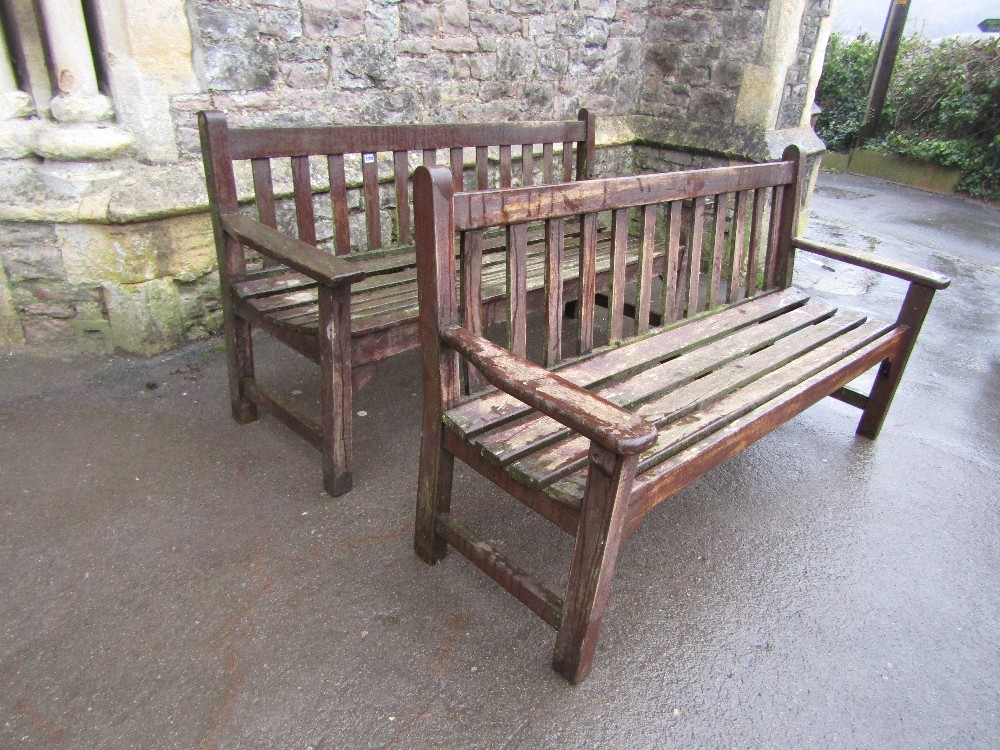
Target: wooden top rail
{"points": [[493, 208], [254, 143]]}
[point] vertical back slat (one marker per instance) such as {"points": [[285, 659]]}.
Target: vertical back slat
{"points": [[472, 300], [482, 167], [587, 282], [555, 245], [548, 163], [756, 232], [694, 255], [644, 284], [737, 276], [338, 198], [567, 161], [373, 220], [401, 172], [585, 148], [430, 157], [457, 169], [718, 248], [773, 230], [616, 299], [527, 165], [263, 191], [517, 288], [302, 185], [671, 294], [505, 170]]}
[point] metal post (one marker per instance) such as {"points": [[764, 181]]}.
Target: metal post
{"points": [[888, 48]]}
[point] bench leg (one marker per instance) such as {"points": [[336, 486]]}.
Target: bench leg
{"points": [[598, 539], [239, 356], [915, 306], [437, 467], [335, 386]]}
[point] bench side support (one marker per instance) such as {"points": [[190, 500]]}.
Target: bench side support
{"points": [[598, 539], [221, 183], [914, 310], [438, 302], [336, 397]]}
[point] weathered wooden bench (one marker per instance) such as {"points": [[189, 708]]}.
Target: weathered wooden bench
{"points": [[347, 298], [722, 352]]}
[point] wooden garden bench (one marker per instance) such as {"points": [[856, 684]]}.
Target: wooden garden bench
{"points": [[722, 352], [346, 301]]}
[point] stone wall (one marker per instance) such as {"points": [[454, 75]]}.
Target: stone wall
{"points": [[358, 61], [116, 247]]}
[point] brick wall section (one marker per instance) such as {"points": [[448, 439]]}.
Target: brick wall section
{"points": [[361, 61]]}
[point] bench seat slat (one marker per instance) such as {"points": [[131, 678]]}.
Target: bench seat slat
{"points": [[493, 409], [677, 471], [721, 394], [510, 442], [689, 424]]}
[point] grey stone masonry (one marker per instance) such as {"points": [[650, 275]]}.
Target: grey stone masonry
{"points": [[362, 61]]}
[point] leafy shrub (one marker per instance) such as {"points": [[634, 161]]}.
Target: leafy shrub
{"points": [[943, 104]]}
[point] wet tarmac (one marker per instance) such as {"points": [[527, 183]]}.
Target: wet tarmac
{"points": [[174, 580]]}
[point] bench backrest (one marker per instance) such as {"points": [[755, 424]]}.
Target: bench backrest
{"points": [[716, 235], [371, 165]]}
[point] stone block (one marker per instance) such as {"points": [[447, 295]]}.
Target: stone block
{"points": [[595, 33], [305, 75], [82, 142], [224, 22], [455, 44], [134, 253], [382, 22], [494, 23], [11, 332], [79, 107], [14, 104], [418, 19], [598, 8], [238, 65], [455, 16], [553, 63], [144, 318], [42, 330], [281, 23], [16, 137], [33, 263], [185, 247], [371, 61], [321, 18], [413, 47]]}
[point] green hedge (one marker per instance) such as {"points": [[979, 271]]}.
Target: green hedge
{"points": [[943, 104]]}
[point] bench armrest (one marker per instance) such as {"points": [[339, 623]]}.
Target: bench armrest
{"points": [[900, 270], [593, 417], [304, 258]]}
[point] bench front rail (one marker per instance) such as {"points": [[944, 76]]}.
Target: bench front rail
{"points": [[721, 352]]}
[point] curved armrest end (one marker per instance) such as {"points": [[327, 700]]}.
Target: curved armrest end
{"points": [[596, 418]]}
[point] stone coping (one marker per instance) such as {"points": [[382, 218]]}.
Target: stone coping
{"points": [[125, 191]]}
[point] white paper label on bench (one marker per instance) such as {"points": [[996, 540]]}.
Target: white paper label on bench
{"points": [[369, 158]]}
